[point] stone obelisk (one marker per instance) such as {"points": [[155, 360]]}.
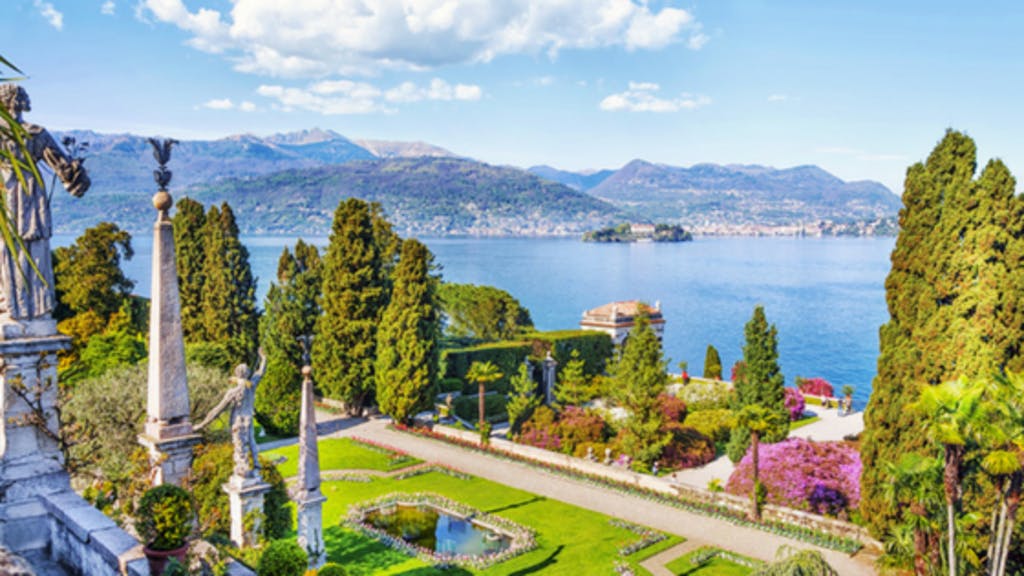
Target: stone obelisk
{"points": [[168, 431], [308, 498]]}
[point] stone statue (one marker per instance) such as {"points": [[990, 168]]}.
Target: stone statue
{"points": [[26, 295], [241, 398]]}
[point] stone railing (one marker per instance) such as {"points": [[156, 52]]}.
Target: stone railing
{"points": [[81, 536]]}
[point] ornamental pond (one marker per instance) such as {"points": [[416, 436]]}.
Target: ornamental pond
{"points": [[825, 295], [438, 530]]}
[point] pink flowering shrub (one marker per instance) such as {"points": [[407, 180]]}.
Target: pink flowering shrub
{"points": [[794, 403], [820, 477], [565, 432], [815, 386]]}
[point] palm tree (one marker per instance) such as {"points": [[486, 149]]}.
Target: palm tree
{"points": [[792, 562], [483, 373], [758, 420], [1005, 464], [913, 488], [953, 413]]}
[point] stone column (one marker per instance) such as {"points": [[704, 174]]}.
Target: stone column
{"points": [[246, 498], [308, 498], [549, 378], [31, 458], [168, 431]]}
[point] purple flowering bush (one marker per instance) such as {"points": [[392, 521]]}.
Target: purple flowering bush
{"points": [[819, 477], [794, 403]]}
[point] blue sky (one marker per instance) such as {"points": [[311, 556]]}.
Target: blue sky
{"points": [[860, 88]]}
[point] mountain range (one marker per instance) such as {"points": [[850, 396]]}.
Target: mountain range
{"points": [[290, 184]]}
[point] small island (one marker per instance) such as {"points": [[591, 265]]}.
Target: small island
{"points": [[639, 233]]}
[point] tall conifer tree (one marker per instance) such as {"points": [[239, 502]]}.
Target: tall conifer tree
{"points": [[955, 295], [640, 377], [355, 293], [712, 363], [760, 384], [229, 290], [407, 340], [190, 255], [291, 309]]}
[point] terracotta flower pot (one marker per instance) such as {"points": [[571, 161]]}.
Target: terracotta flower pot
{"points": [[158, 559]]}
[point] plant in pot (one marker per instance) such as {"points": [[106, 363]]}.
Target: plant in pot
{"points": [[163, 520]]}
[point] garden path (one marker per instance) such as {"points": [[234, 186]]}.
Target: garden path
{"points": [[656, 564], [698, 530]]}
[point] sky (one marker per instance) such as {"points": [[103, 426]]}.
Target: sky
{"points": [[862, 89]]}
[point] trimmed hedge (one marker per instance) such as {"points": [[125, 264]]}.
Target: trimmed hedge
{"points": [[507, 356], [468, 408], [282, 558], [595, 348]]}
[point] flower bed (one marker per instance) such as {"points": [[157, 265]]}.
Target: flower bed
{"points": [[523, 539], [397, 455], [648, 537], [428, 468], [708, 553], [713, 510]]}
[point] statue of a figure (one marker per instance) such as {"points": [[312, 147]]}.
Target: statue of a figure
{"points": [[241, 398], [25, 294]]}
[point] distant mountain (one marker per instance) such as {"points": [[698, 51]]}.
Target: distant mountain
{"points": [[743, 194], [420, 196], [391, 149], [582, 181]]}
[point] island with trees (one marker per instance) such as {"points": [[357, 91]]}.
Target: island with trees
{"points": [[628, 232]]}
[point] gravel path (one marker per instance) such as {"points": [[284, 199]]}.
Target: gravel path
{"points": [[698, 530]]}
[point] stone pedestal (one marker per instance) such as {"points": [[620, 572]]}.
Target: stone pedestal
{"points": [[549, 370], [31, 458], [310, 529], [246, 497], [170, 459]]}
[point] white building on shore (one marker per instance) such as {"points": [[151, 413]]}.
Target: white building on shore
{"points": [[617, 318]]}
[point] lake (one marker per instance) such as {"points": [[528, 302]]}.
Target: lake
{"points": [[826, 296]]}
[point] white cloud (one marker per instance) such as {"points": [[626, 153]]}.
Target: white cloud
{"points": [[311, 38], [219, 104], [643, 97], [247, 106], [332, 97], [777, 97], [108, 8], [53, 16]]}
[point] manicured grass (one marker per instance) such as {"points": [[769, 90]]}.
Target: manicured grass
{"points": [[570, 540], [340, 454], [716, 566], [803, 422]]}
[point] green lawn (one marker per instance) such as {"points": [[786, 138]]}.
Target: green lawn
{"points": [[340, 454], [803, 422], [570, 540], [714, 567]]}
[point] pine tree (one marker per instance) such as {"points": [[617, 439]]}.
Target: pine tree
{"points": [[355, 294], [761, 383], [291, 309], [522, 399], [406, 369], [573, 388], [229, 311], [955, 295], [639, 378], [712, 363], [190, 255]]}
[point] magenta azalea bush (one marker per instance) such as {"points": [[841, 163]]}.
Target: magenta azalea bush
{"points": [[794, 403], [815, 386], [819, 477]]}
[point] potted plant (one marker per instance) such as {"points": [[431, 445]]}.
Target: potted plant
{"points": [[163, 520]]}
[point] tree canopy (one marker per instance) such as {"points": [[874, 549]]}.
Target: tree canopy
{"points": [[482, 312]]}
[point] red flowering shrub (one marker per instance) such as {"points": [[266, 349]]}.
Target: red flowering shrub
{"points": [[541, 431], [687, 449], [821, 477], [815, 386], [574, 427], [738, 369], [673, 410], [794, 403]]}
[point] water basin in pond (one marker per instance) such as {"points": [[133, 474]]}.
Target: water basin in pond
{"points": [[437, 530]]}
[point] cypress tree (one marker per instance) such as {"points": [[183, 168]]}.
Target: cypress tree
{"points": [[291, 309], [760, 383], [523, 399], [229, 290], [355, 286], [640, 377], [712, 363], [407, 341], [955, 295], [190, 256]]}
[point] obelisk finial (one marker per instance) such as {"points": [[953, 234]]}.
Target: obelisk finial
{"points": [[162, 153]]}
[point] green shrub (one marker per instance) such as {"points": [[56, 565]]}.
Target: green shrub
{"points": [[174, 568], [210, 355], [705, 395], [210, 470], [331, 569], [282, 558], [164, 517], [468, 408], [715, 424], [451, 385], [507, 356], [278, 398], [595, 348]]}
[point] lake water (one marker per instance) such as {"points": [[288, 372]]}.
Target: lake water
{"points": [[826, 296]]}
